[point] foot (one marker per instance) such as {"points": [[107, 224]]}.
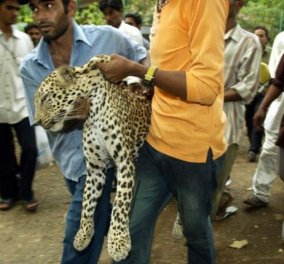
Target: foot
{"points": [[254, 203], [231, 210], [31, 205], [119, 243], [6, 204], [252, 156]]}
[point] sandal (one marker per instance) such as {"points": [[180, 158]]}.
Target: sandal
{"points": [[231, 210], [31, 205], [6, 204]]}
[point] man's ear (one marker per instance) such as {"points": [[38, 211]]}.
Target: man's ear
{"points": [[72, 7]]}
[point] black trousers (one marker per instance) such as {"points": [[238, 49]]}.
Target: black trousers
{"points": [[255, 138], [16, 177]]}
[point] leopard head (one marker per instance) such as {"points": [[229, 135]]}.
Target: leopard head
{"points": [[60, 94]]}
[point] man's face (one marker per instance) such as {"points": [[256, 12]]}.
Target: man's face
{"points": [[35, 35], [130, 21], [9, 11], [262, 37], [113, 17], [51, 17]]}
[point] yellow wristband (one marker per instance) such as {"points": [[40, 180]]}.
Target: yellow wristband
{"points": [[149, 76]]}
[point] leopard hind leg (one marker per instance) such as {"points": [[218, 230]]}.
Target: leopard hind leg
{"points": [[119, 243], [92, 192]]}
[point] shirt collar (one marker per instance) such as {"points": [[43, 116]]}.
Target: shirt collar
{"points": [[234, 33], [42, 48]]}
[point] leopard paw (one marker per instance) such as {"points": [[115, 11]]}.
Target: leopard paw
{"points": [[119, 244], [83, 238]]}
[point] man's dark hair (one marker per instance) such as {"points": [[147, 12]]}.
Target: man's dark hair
{"points": [[114, 4], [264, 29], [29, 26], [136, 17]]}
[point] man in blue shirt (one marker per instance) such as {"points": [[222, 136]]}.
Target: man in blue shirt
{"points": [[64, 42]]}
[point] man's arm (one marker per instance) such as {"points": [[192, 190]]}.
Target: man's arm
{"points": [[119, 68], [273, 92], [201, 82], [248, 76]]}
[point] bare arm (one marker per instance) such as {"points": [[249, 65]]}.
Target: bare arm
{"points": [[258, 119], [232, 95], [173, 82]]}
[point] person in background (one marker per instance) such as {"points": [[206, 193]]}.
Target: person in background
{"points": [[182, 155], [135, 20], [242, 61], [267, 167], [255, 137], [33, 31], [263, 35], [64, 42], [113, 12], [16, 178]]}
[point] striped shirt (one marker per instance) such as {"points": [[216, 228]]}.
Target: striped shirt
{"points": [[243, 55]]}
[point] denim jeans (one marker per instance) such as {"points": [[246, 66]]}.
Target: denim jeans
{"points": [[158, 177], [102, 218]]}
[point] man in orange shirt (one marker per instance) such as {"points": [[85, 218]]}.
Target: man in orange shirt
{"points": [[183, 152]]}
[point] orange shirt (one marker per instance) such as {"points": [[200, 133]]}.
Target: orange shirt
{"points": [[190, 37]]}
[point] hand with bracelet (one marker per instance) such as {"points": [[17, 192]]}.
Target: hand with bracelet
{"points": [[118, 68]]}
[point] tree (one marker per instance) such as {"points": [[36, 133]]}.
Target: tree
{"points": [[268, 13]]}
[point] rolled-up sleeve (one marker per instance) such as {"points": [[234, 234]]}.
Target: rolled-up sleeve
{"points": [[248, 72], [204, 78]]}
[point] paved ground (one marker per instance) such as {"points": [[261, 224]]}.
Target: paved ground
{"points": [[36, 238]]}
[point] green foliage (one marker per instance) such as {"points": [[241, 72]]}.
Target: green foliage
{"points": [[145, 8], [90, 15], [25, 15], [268, 13]]}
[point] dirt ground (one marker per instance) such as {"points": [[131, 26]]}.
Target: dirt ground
{"points": [[36, 238]]}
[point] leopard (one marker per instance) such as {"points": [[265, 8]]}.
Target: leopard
{"points": [[114, 130]]}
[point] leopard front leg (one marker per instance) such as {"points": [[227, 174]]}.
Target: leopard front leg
{"points": [[119, 243], [92, 192]]}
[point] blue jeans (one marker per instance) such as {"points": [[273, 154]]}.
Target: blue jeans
{"points": [[158, 177], [102, 218]]}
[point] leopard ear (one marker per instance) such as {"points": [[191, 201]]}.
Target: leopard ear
{"points": [[67, 73]]}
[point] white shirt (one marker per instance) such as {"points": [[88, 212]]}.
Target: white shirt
{"points": [[132, 32], [243, 55], [12, 96], [136, 35], [276, 109]]}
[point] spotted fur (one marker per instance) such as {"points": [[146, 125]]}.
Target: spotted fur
{"points": [[114, 131]]}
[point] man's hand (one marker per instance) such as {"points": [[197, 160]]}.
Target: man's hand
{"points": [[258, 119], [117, 69]]}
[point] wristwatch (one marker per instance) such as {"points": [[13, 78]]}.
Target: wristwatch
{"points": [[149, 76]]}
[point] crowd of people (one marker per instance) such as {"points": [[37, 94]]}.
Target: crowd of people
{"points": [[202, 100]]}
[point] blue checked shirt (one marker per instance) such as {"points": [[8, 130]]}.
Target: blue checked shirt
{"points": [[88, 41]]}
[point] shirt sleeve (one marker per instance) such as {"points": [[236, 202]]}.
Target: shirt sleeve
{"points": [[30, 86], [127, 47], [248, 71], [206, 33]]}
